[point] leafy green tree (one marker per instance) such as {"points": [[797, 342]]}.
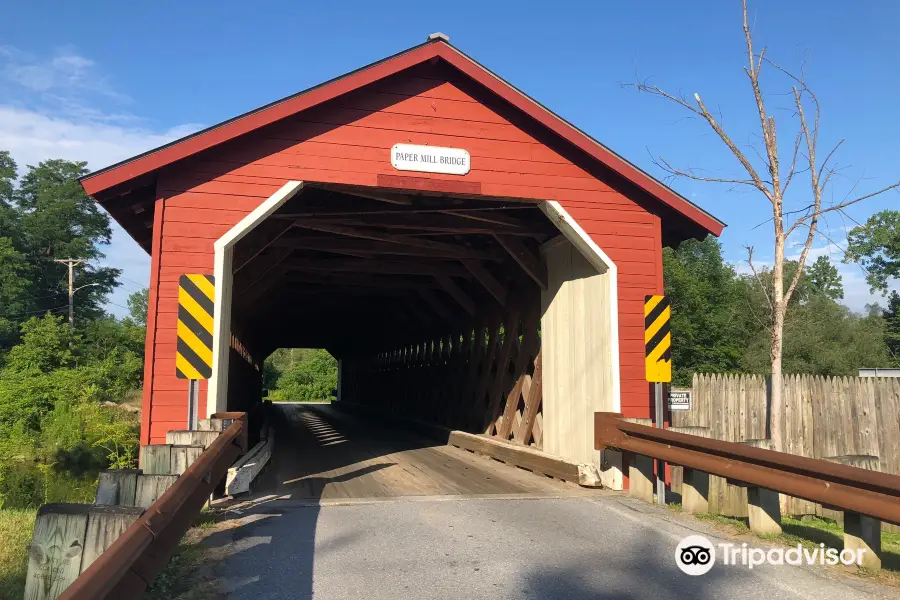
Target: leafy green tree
{"points": [[14, 286], [137, 306], [823, 279], [59, 421], [115, 348], [823, 337], [300, 375], [721, 321], [891, 316], [7, 185], [56, 219], [57, 426], [47, 216], [876, 246], [46, 346], [706, 323]]}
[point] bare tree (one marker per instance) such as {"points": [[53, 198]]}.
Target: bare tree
{"points": [[772, 184]]}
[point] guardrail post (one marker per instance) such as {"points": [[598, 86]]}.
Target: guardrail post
{"points": [[611, 469], [764, 474], [863, 533], [641, 479], [764, 510], [694, 491]]}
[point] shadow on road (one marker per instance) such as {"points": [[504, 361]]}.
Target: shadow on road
{"points": [[315, 439], [642, 570], [309, 440], [553, 549], [265, 540]]}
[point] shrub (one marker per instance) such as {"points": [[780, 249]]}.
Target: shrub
{"points": [[312, 377], [56, 433]]}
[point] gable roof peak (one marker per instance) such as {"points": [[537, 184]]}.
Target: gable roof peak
{"points": [[120, 178]]}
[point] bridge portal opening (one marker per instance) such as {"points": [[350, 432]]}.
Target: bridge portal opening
{"points": [[300, 375], [492, 316]]}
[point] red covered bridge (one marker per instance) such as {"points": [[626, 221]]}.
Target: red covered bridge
{"points": [[411, 264]]}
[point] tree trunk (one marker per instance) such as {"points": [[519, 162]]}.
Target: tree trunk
{"points": [[779, 308], [775, 410]]}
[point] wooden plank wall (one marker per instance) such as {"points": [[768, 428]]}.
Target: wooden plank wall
{"points": [[481, 380], [576, 336], [824, 417], [348, 141]]}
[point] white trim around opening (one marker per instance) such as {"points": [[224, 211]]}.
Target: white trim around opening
{"points": [[573, 232], [609, 462], [217, 394]]}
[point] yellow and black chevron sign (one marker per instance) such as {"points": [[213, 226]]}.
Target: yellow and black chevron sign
{"points": [[193, 358], [657, 338]]}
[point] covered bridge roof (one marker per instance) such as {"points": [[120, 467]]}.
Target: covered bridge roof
{"points": [[127, 189]]}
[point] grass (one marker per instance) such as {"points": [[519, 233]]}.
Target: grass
{"points": [[179, 579], [812, 531], [278, 399], [171, 581], [16, 528]]}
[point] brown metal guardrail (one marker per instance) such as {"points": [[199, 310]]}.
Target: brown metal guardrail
{"points": [[130, 564], [833, 485]]}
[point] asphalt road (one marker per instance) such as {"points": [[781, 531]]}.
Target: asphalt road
{"points": [[497, 548]]}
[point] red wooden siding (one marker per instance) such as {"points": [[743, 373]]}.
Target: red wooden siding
{"points": [[348, 141]]}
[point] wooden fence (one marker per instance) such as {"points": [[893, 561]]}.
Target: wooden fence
{"points": [[851, 420]]}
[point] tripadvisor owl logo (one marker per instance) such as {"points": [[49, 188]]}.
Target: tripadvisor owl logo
{"points": [[695, 555]]}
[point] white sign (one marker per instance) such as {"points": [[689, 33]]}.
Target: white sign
{"points": [[430, 159], [679, 399]]}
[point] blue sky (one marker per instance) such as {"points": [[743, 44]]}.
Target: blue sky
{"points": [[102, 81]]}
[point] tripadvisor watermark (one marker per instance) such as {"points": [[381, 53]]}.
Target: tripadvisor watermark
{"points": [[696, 555]]}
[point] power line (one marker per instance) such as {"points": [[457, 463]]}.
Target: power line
{"points": [[137, 283], [117, 304], [34, 312], [140, 285], [128, 287]]}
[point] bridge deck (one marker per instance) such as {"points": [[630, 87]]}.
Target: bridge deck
{"points": [[324, 453]]}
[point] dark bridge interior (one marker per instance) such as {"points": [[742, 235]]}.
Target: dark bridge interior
{"points": [[431, 302], [359, 271]]}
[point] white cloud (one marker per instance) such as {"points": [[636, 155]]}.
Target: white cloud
{"points": [[742, 267], [64, 107], [33, 136], [66, 73], [856, 290]]}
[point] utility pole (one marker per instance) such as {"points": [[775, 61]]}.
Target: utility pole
{"points": [[71, 262]]}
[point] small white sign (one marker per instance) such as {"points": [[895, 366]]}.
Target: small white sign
{"points": [[679, 399], [430, 159]]}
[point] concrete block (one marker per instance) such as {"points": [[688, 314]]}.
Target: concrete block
{"points": [[641, 479], [763, 510], [863, 533], [695, 492]]}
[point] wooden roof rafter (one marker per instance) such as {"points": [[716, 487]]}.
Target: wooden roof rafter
{"points": [[341, 245]]}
